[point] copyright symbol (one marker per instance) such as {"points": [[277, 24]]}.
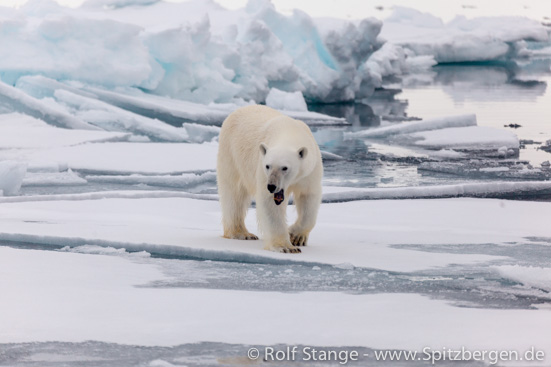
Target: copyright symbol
{"points": [[253, 353]]}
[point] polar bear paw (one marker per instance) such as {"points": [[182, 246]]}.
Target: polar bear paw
{"points": [[242, 236], [298, 239], [286, 248]]}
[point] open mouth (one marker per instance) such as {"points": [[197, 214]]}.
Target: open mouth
{"points": [[279, 197]]}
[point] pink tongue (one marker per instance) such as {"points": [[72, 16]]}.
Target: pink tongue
{"points": [[279, 197]]}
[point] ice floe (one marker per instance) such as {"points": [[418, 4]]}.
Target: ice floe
{"points": [[175, 181], [125, 157], [447, 137], [476, 168], [19, 131], [18, 101], [496, 189], [113, 118], [125, 313], [188, 227], [462, 39], [416, 126], [120, 305], [66, 178]]}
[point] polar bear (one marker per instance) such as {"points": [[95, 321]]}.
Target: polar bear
{"points": [[267, 155]]}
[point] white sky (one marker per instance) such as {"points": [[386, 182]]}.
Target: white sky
{"points": [[447, 10]]}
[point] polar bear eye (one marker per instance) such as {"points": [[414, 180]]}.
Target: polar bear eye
{"points": [[284, 169], [267, 167]]}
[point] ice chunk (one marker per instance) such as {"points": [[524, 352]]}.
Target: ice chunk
{"points": [[497, 189], [467, 138], [392, 60], [201, 133], [173, 111], [22, 131], [145, 158], [462, 39], [182, 181], [290, 101], [531, 276], [101, 250], [475, 168], [328, 156], [60, 46], [47, 167], [416, 126], [11, 176], [67, 178], [170, 110], [110, 4], [113, 118], [21, 102]]}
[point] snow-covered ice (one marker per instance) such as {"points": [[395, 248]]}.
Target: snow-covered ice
{"points": [[11, 176], [16, 100], [462, 39], [116, 306], [125, 157], [110, 233], [416, 126], [286, 101], [19, 131], [531, 276], [190, 227], [467, 138], [66, 178]]}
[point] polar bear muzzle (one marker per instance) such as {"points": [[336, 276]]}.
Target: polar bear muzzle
{"points": [[279, 197]]}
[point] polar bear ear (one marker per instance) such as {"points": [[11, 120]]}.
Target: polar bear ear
{"points": [[302, 152], [263, 148]]}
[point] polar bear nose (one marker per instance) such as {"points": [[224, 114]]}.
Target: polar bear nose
{"points": [[271, 188]]}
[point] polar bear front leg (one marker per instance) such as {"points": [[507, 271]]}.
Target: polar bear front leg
{"points": [[307, 209], [273, 224]]}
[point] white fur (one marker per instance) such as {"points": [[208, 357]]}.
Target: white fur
{"points": [[252, 138]]}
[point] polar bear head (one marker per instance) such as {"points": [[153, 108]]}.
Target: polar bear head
{"points": [[282, 166]]}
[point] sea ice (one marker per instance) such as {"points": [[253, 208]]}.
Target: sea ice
{"points": [[536, 277], [114, 118], [18, 101], [145, 158], [281, 100], [19, 131], [67, 178], [462, 39], [11, 176], [415, 126], [155, 225]]}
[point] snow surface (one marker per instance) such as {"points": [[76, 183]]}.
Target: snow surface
{"points": [[105, 96], [116, 306], [127, 157], [192, 228], [23, 131]]}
